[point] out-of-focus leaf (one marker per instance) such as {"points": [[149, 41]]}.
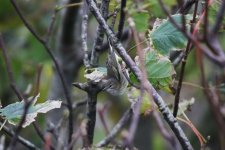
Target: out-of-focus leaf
{"points": [[154, 7], [96, 74], [133, 95], [160, 71], [141, 21], [213, 10], [165, 37], [221, 88], [14, 112], [185, 105]]}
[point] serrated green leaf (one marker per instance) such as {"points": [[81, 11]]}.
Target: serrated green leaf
{"points": [[165, 37], [160, 71], [14, 112]]}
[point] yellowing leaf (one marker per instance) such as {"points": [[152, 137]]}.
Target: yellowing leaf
{"points": [[133, 95]]}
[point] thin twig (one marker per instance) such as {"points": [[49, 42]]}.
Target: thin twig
{"points": [[101, 113], [219, 19], [170, 138], [137, 106], [100, 34], [184, 60], [213, 101], [19, 126], [134, 121], [186, 6], [125, 36], [116, 129], [19, 94], [51, 25], [48, 50], [22, 140], [68, 5], [36, 91], [9, 70], [122, 18], [205, 32], [116, 11]]}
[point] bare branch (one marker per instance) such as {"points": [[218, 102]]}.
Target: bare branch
{"points": [[19, 94], [219, 19], [9, 70], [188, 48], [116, 129], [23, 141], [130, 63], [45, 45], [122, 18], [100, 34], [84, 36], [170, 138]]}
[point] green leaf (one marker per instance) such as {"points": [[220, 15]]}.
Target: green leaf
{"points": [[133, 94], [213, 10], [155, 9], [14, 112], [141, 21], [165, 37], [160, 71]]}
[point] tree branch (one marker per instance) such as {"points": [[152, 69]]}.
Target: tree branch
{"points": [[100, 34], [23, 141], [9, 70], [116, 129], [184, 60], [134, 68], [122, 18], [48, 50], [219, 19]]}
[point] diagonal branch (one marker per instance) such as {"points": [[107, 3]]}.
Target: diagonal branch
{"points": [[121, 123], [134, 68]]}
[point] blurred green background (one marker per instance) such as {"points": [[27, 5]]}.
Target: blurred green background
{"points": [[26, 54]]}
